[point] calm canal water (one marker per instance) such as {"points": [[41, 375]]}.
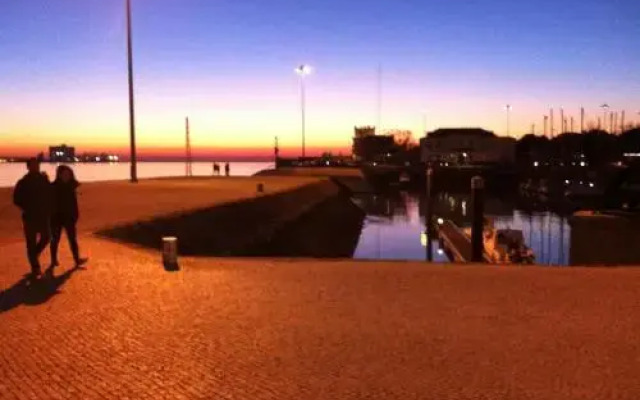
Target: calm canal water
{"points": [[395, 223], [93, 172]]}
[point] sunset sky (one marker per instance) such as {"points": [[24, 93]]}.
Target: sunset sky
{"points": [[228, 65]]}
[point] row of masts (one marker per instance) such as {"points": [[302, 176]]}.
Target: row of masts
{"points": [[610, 122], [189, 156]]}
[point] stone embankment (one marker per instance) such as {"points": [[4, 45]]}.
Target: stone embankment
{"points": [[315, 219]]}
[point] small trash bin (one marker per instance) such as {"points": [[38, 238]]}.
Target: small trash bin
{"points": [[170, 250]]}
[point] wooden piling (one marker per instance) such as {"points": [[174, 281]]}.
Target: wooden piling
{"points": [[477, 227], [429, 215]]}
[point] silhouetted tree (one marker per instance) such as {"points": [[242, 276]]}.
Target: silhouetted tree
{"points": [[596, 147], [630, 141], [327, 155], [600, 148], [567, 147], [403, 138], [532, 148]]}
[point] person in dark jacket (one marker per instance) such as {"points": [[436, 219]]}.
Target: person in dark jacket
{"points": [[32, 195], [65, 213]]}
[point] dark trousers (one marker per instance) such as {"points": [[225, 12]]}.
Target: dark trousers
{"points": [[37, 235], [69, 227]]}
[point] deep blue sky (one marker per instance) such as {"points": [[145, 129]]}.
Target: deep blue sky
{"points": [[222, 61]]}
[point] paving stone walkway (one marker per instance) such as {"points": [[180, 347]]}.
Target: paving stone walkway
{"points": [[306, 329], [124, 328]]}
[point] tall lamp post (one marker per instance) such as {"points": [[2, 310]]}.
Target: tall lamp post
{"points": [[508, 108], [302, 71], [132, 116]]}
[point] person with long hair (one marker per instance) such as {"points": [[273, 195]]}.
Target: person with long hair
{"points": [[65, 214]]}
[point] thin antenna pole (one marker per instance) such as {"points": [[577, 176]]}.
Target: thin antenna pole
{"points": [[581, 119], [546, 121], [188, 166], [303, 71], [611, 123], [132, 114], [571, 124], [508, 120], [622, 122], [424, 124], [379, 101]]}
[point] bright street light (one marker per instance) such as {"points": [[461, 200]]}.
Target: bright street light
{"points": [[303, 70]]}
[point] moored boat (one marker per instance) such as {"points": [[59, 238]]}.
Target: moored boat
{"points": [[504, 245]]}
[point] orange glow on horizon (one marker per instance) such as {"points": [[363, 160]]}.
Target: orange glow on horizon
{"points": [[158, 152]]}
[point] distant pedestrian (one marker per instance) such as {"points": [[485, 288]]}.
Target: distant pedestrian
{"points": [[216, 169], [65, 214], [32, 195], [227, 169]]}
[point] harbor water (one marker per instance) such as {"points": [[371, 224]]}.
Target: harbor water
{"points": [[394, 227], [395, 224]]}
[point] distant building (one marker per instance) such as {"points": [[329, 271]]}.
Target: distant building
{"points": [[369, 147], [364, 131], [62, 153], [463, 146]]}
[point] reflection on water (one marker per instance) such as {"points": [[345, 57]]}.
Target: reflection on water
{"points": [[395, 224], [545, 232], [393, 229]]}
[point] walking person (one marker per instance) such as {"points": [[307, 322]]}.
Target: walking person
{"points": [[65, 214], [227, 169], [32, 195]]}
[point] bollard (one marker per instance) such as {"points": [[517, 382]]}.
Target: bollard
{"points": [[170, 251], [477, 225], [429, 215]]}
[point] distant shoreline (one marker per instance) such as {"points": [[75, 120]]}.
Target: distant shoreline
{"points": [[11, 172], [13, 160]]}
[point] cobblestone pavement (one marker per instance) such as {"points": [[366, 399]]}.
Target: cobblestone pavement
{"points": [[305, 329], [106, 204]]}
